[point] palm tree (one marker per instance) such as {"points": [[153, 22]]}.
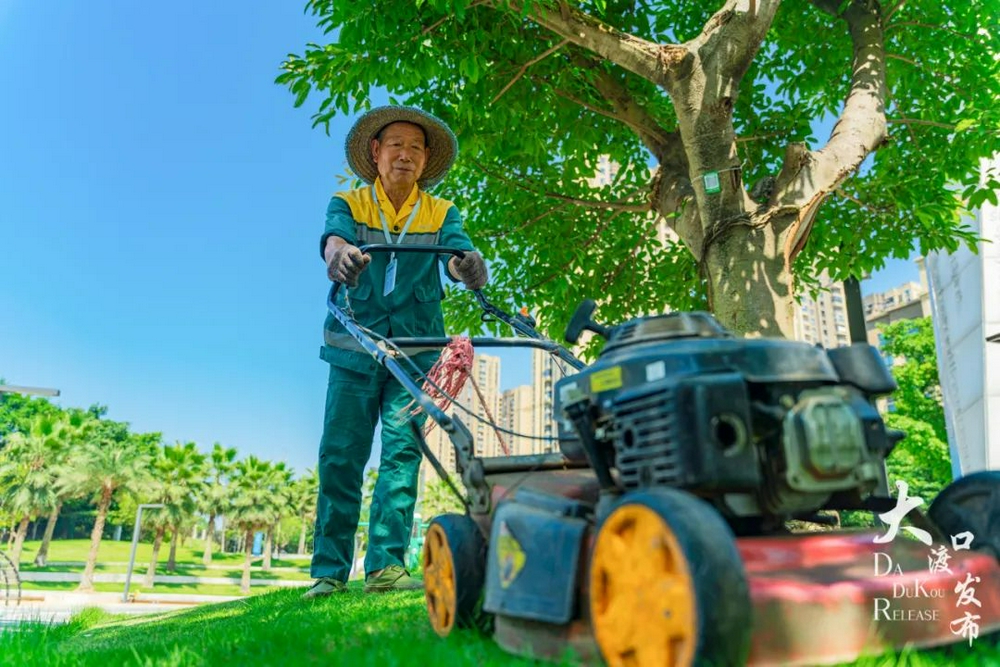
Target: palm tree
{"points": [[253, 505], [280, 480], [114, 460], [79, 426], [438, 498], [179, 472], [306, 492], [215, 499], [184, 471], [26, 475]]}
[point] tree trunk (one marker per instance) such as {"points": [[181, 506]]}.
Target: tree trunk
{"points": [[222, 534], [19, 535], [87, 580], [302, 536], [206, 556], [268, 542], [172, 559], [749, 284], [247, 548], [50, 528], [150, 577]]}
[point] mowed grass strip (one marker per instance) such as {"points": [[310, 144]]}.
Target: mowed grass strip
{"points": [[112, 551], [279, 628]]}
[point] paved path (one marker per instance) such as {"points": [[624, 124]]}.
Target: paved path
{"points": [[160, 579], [57, 607], [199, 566]]}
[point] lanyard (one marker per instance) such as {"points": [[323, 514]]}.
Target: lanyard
{"points": [[385, 225]]}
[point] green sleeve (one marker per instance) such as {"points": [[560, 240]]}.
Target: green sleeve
{"points": [[453, 236], [339, 222]]}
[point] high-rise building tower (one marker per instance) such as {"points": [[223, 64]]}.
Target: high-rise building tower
{"points": [[823, 320], [486, 376]]}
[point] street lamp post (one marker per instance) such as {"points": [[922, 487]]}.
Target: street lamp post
{"points": [[135, 543]]}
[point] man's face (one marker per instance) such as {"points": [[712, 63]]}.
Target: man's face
{"points": [[400, 155]]}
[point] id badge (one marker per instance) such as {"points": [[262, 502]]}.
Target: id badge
{"points": [[390, 276]]}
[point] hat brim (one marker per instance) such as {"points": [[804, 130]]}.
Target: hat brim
{"points": [[440, 140]]}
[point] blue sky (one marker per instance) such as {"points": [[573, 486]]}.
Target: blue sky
{"points": [[160, 207]]}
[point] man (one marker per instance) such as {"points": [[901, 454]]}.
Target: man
{"points": [[399, 152]]}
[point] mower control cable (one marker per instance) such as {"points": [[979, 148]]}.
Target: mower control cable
{"points": [[421, 376]]}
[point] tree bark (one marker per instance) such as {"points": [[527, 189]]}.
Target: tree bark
{"points": [[302, 536], [247, 548], [87, 580], [172, 559], [206, 556], [50, 528], [19, 535], [749, 282], [268, 543], [150, 579]]}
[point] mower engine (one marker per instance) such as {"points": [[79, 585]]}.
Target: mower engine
{"points": [[762, 428]]}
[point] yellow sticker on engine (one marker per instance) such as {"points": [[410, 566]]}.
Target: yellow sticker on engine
{"points": [[510, 556], [606, 380]]}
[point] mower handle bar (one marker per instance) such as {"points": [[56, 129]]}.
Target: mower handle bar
{"points": [[519, 325], [393, 247]]}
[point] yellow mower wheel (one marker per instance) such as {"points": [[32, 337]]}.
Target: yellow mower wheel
{"points": [[667, 587], [454, 564]]}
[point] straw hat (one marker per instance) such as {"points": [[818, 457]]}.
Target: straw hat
{"points": [[440, 139]]}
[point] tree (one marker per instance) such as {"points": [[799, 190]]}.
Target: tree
{"points": [[280, 481], [306, 495], [922, 458], [78, 426], [17, 412], [179, 474], [367, 493], [215, 496], [439, 498], [722, 99], [113, 461], [26, 474], [252, 505]]}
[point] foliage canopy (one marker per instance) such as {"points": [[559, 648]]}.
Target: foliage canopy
{"points": [[540, 91]]}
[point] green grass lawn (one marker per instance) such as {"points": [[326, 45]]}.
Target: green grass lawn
{"points": [[182, 570], [27, 587], [111, 551], [112, 558], [279, 628]]}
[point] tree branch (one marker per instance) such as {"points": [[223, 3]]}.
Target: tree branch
{"points": [[586, 244], [917, 121], [806, 177], [917, 24], [941, 76], [868, 207], [427, 30], [622, 205], [632, 113], [653, 228], [527, 223], [653, 62], [732, 38], [525, 66]]}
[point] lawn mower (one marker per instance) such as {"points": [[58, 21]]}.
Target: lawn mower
{"points": [[658, 534]]}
